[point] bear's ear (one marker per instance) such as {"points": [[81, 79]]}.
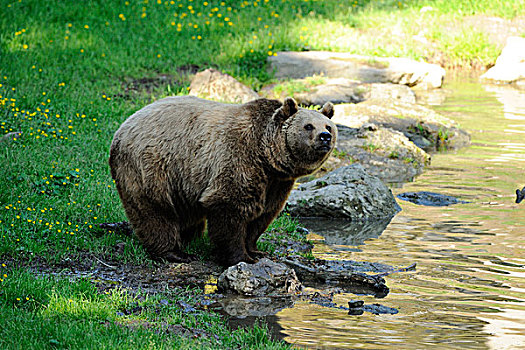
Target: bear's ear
{"points": [[328, 110], [288, 109]]}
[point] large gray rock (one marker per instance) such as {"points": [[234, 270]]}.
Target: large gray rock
{"points": [[426, 128], [260, 279], [214, 85], [510, 65], [369, 69], [348, 192]]}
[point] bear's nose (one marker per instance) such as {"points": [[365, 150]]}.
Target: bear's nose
{"points": [[325, 137]]}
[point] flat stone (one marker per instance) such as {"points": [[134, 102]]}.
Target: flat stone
{"points": [[429, 198], [339, 90], [368, 69], [214, 85], [343, 90]]}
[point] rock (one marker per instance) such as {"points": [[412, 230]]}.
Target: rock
{"points": [[429, 198], [520, 195], [316, 91], [348, 192], [357, 307], [353, 304], [260, 279], [426, 128], [339, 90], [391, 92], [510, 65], [434, 97], [383, 152], [351, 276], [368, 69], [214, 85], [348, 91], [376, 309]]}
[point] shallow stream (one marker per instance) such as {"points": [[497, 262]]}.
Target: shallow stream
{"points": [[468, 290]]}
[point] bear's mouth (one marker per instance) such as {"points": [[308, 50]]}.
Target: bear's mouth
{"points": [[324, 148]]}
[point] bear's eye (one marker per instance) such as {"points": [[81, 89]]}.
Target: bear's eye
{"points": [[308, 127], [328, 128]]}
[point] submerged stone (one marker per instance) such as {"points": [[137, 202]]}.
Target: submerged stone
{"points": [[429, 198], [378, 309]]}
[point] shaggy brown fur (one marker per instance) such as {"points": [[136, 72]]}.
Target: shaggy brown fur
{"points": [[182, 161]]}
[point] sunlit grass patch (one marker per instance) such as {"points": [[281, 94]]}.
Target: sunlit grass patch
{"points": [[48, 311], [468, 46]]}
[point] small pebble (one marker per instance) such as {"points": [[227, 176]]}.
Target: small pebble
{"points": [[354, 304]]}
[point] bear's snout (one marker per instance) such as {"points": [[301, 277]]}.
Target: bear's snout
{"points": [[325, 138]]}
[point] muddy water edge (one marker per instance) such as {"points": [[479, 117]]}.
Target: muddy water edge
{"points": [[468, 290]]}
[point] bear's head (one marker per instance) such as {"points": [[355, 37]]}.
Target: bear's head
{"points": [[309, 136]]}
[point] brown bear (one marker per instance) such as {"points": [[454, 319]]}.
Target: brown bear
{"points": [[183, 161]]}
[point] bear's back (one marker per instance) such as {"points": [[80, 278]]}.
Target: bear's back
{"points": [[186, 142]]}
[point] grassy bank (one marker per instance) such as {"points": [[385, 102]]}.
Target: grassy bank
{"points": [[72, 71]]}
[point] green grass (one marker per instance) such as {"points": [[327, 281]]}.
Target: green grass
{"points": [[46, 312], [70, 74]]}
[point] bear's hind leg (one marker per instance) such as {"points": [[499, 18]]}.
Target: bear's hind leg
{"points": [[156, 228], [193, 231]]}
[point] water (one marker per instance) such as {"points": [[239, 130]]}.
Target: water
{"points": [[468, 290]]}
